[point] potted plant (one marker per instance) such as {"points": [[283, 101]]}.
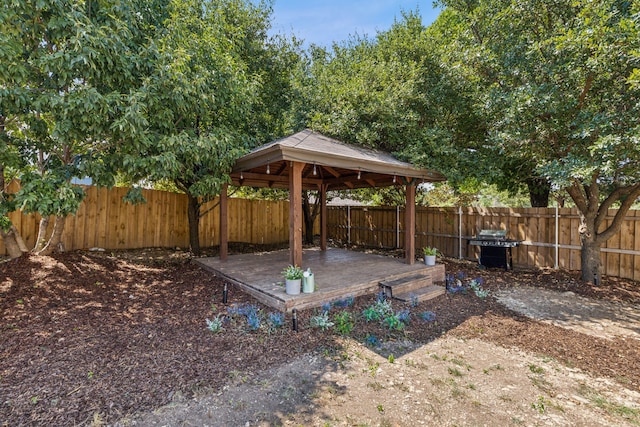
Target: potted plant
{"points": [[293, 279], [429, 255]]}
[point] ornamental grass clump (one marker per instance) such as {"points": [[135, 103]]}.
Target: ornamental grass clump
{"points": [[344, 302], [250, 312], [275, 321]]}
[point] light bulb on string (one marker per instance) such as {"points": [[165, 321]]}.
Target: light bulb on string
{"points": [[268, 170], [359, 174], [394, 179], [314, 170]]}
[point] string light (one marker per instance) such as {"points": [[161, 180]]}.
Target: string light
{"points": [[359, 173], [314, 170], [394, 179], [268, 170], [241, 175]]}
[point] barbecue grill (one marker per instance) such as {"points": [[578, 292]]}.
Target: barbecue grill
{"points": [[495, 248]]}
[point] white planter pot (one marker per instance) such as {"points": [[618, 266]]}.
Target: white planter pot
{"points": [[292, 287], [430, 260]]}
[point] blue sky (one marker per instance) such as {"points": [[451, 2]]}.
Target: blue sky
{"points": [[325, 21]]}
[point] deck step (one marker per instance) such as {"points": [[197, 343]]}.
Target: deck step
{"points": [[422, 294], [406, 284]]}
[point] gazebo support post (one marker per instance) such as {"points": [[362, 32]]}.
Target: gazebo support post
{"points": [[224, 223], [410, 224], [295, 213], [323, 217]]}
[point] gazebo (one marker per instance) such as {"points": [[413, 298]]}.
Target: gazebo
{"points": [[308, 160]]}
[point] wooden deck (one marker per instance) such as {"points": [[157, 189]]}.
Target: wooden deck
{"points": [[338, 274]]}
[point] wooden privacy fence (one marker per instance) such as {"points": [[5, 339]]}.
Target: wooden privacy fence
{"points": [[105, 221], [550, 236]]}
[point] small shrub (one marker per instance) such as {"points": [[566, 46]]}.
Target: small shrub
{"points": [[242, 309], [476, 286], [413, 300], [254, 321], [275, 320], [214, 325], [393, 322], [459, 284], [378, 311], [343, 322], [250, 312], [404, 316], [372, 341], [326, 306], [321, 321], [428, 316], [344, 303]]}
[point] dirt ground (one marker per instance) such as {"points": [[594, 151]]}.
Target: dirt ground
{"points": [[120, 339]]}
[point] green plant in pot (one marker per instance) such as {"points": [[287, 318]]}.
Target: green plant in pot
{"points": [[429, 255], [293, 279]]}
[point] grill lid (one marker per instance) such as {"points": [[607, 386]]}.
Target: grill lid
{"points": [[492, 234]]}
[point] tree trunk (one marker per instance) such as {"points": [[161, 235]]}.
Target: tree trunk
{"points": [[539, 190], [19, 239], [591, 264], [41, 240], [194, 224], [56, 236], [13, 242]]}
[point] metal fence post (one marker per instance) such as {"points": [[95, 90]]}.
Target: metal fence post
{"points": [[459, 232], [557, 245], [349, 225], [397, 227]]}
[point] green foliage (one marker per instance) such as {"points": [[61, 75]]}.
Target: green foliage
{"points": [[215, 86], [65, 73], [556, 85], [378, 311], [215, 325], [293, 272], [429, 251], [321, 321], [343, 322]]}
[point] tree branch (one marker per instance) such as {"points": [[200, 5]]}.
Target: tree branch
{"points": [[576, 194], [615, 195], [212, 207], [587, 86], [593, 193], [614, 227]]}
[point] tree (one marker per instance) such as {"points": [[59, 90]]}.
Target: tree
{"points": [[392, 93], [216, 88], [558, 97], [64, 66]]}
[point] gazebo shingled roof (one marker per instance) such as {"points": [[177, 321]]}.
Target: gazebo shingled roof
{"points": [[338, 165], [309, 160]]}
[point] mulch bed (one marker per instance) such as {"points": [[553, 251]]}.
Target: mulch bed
{"points": [[92, 338]]}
